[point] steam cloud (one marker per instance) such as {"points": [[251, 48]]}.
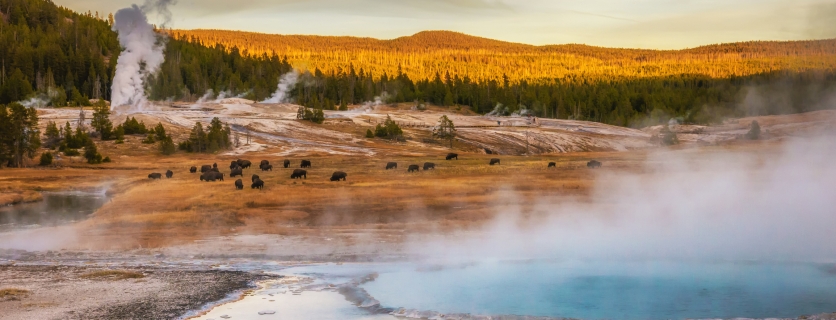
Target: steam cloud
{"points": [[143, 51], [688, 205], [286, 84]]}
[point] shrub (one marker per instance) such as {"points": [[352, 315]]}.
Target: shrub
{"points": [[149, 140], [71, 152], [46, 159], [106, 160], [369, 134]]}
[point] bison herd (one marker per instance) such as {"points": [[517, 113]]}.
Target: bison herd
{"points": [[211, 173]]}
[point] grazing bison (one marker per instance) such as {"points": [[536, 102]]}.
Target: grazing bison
{"points": [[155, 176], [494, 161], [239, 184], [258, 184], [237, 172], [306, 164], [339, 175], [413, 167], [451, 156], [193, 169], [286, 163], [552, 165], [429, 165], [255, 177], [205, 168], [593, 164], [233, 165], [263, 163], [391, 165], [218, 175], [169, 174], [299, 174], [268, 167], [244, 164]]}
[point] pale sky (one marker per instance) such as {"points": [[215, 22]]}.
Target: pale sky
{"points": [[652, 24]]}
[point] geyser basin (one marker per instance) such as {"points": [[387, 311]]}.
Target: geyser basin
{"points": [[610, 290]]}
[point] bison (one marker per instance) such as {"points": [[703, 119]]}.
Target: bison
{"points": [[413, 167], [258, 184], [205, 168], [391, 165], [451, 156], [244, 164], [306, 164], [286, 163], [155, 176], [494, 161], [299, 174], [552, 165], [218, 176], [169, 174], [593, 164], [268, 167], [255, 177], [339, 175], [263, 163], [237, 172], [429, 165], [214, 170], [193, 169], [239, 184], [233, 165]]}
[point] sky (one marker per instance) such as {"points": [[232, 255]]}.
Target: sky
{"points": [[651, 24]]}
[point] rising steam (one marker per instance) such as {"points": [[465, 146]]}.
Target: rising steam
{"points": [[143, 51], [286, 84]]}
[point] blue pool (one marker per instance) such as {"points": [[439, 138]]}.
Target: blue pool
{"points": [[612, 290]]}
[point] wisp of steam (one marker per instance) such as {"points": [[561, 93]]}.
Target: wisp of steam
{"points": [[286, 83], [142, 54]]}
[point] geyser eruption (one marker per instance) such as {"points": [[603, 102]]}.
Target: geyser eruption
{"points": [[286, 83], [143, 51]]}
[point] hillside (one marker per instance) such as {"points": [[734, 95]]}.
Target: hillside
{"points": [[424, 54]]}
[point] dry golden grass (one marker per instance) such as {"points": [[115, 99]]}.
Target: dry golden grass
{"points": [[112, 275], [13, 294]]}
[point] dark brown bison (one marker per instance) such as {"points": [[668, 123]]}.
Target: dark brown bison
{"points": [[244, 164], [299, 174], [286, 163], [237, 172], [255, 177], [268, 167], [205, 168], [214, 170], [552, 165], [263, 163], [451, 156], [169, 174], [339, 175], [193, 169], [413, 168], [239, 184], [155, 176], [494, 161], [215, 165], [391, 165], [258, 184], [212, 176], [429, 165], [306, 164], [593, 164], [233, 165]]}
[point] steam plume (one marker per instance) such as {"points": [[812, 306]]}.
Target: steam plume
{"points": [[142, 54], [286, 83]]}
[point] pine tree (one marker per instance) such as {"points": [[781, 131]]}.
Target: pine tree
{"points": [[101, 120], [445, 130]]}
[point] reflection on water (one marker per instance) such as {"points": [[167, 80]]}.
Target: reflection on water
{"points": [[638, 290], [57, 208]]}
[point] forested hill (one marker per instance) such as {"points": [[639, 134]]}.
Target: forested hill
{"points": [[424, 54], [67, 58]]}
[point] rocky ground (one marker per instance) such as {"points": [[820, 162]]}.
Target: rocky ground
{"points": [[81, 292]]}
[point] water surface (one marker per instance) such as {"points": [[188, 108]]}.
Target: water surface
{"points": [[57, 208]]}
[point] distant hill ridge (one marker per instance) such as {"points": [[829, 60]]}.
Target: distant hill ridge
{"points": [[423, 54]]}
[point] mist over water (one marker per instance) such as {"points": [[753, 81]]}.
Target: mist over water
{"points": [[685, 205]]}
